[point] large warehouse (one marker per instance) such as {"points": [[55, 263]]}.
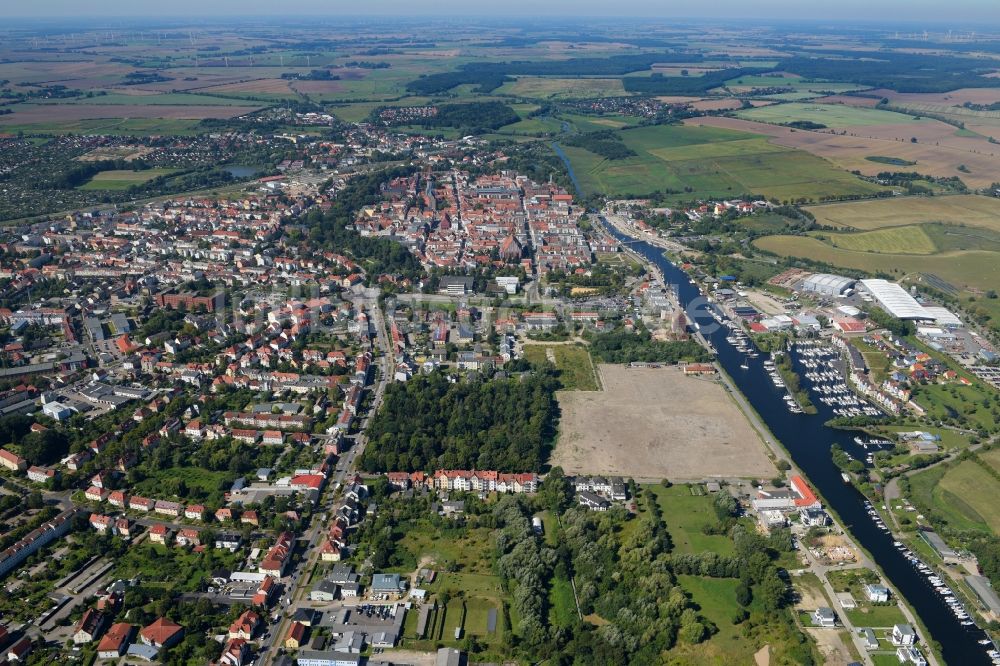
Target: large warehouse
{"points": [[893, 299], [828, 285]]}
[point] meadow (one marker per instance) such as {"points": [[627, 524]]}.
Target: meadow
{"points": [[576, 370], [122, 179], [959, 495], [702, 162], [686, 515]]}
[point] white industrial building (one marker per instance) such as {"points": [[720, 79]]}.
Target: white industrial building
{"points": [[895, 300], [943, 316], [828, 285]]}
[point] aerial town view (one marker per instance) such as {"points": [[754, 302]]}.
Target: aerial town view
{"points": [[448, 333]]}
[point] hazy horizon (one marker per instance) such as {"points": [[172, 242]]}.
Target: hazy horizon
{"points": [[954, 13]]}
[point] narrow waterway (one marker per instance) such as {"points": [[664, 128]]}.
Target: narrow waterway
{"points": [[809, 441]]}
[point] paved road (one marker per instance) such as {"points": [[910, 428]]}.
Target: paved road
{"points": [[295, 589]]}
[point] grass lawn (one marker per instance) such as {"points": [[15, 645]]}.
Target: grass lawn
{"points": [[562, 605], [716, 600], [831, 115], [685, 515], [875, 616], [120, 179], [477, 613], [576, 370], [454, 619], [707, 162]]}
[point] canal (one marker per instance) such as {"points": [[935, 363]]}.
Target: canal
{"points": [[809, 441]]}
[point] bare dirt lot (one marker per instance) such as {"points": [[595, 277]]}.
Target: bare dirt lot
{"points": [[655, 423]]}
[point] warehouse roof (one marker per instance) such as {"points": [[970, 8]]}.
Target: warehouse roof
{"points": [[894, 300]]}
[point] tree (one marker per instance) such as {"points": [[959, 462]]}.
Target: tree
{"points": [[556, 491]]}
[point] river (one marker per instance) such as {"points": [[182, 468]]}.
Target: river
{"points": [[809, 440]]}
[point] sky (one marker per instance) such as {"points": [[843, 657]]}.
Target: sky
{"points": [[951, 12]]}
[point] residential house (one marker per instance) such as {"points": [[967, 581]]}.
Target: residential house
{"points": [[245, 626], [227, 540], [877, 593], [89, 627], [296, 636], [12, 461], [95, 494], [115, 641], [903, 635], [161, 633], [160, 534], [824, 617], [236, 653]]}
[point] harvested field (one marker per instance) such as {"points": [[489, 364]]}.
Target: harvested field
{"points": [[938, 151], [967, 209], [545, 87], [53, 113], [717, 104], [655, 423]]}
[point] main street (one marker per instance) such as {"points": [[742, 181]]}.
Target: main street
{"points": [[296, 581]]}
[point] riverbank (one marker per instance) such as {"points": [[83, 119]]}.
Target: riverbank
{"points": [[808, 441]]}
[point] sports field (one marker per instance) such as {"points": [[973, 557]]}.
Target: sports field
{"points": [[966, 209], [971, 268], [703, 162], [122, 179], [831, 115]]}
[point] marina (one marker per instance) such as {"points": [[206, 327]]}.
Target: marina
{"points": [[809, 441]]}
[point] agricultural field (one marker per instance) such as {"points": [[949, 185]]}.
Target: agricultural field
{"points": [[832, 115], [976, 269], [938, 150], [540, 87], [576, 370], [66, 118], [898, 240], [122, 180], [801, 89], [701, 162], [961, 209]]}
